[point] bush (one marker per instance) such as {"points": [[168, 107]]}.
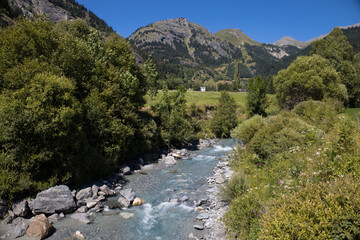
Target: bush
{"points": [[280, 133], [319, 211], [320, 114], [247, 129]]}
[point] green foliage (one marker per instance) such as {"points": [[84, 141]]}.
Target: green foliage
{"points": [[308, 78], [256, 98], [151, 75], [319, 211], [225, 117], [336, 48], [70, 101], [246, 130], [175, 125]]}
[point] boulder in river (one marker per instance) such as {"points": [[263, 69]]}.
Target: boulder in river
{"points": [[95, 190], [106, 191], [53, 200], [39, 227], [125, 203], [125, 170], [202, 216], [20, 208], [137, 202], [199, 226], [129, 194], [169, 160]]}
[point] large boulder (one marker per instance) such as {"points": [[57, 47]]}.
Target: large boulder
{"points": [[106, 191], [53, 200], [125, 170], [39, 227], [18, 227], [3, 208], [169, 160], [129, 194], [84, 193], [20, 208], [95, 190], [124, 202]]}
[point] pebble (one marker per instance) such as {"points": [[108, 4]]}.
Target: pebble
{"points": [[199, 226]]}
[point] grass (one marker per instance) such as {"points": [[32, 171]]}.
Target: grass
{"points": [[351, 112]]}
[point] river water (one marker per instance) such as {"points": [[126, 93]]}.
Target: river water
{"points": [[169, 194]]}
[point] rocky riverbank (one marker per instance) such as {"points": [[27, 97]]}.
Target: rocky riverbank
{"points": [[81, 205]]}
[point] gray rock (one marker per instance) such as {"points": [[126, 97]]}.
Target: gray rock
{"points": [[129, 194], [95, 190], [198, 226], [81, 217], [82, 209], [125, 203], [84, 193], [105, 190], [169, 160], [125, 170], [3, 208], [21, 208], [91, 204], [54, 217], [61, 215], [53, 200], [183, 152], [202, 216], [183, 199], [220, 180], [18, 228], [9, 218]]}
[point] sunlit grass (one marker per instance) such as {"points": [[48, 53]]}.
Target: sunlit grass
{"points": [[352, 111]]}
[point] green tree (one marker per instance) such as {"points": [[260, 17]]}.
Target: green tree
{"points": [[256, 97], [237, 78], [175, 125], [225, 117], [151, 75], [308, 78], [337, 49]]}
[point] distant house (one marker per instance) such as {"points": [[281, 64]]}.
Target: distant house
{"points": [[203, 89]]}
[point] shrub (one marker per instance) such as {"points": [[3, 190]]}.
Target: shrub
{"points": [[279, 134], [319, 211], [246, 130], [320, 114]]}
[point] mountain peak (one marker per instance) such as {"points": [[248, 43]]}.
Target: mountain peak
{"points": [[235, 36], [289, 41]]}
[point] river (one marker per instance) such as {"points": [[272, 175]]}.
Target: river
{"points": [[170, 194]]}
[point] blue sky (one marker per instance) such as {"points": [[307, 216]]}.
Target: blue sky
{"points": [[263, 20]]}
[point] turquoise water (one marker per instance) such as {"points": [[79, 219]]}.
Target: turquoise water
{"points": [[162, 216]]}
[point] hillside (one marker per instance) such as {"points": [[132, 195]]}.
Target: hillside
{"points": [[188, 51], [289, 41], [236, 37], [55, 10]]}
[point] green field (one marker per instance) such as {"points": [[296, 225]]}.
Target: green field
{"points": [[204, 98]]}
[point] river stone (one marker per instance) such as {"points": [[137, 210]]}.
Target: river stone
{"points": [[95, 190], [220, 180], [129, 194], [125, 170], [126, 215], [84, 193], [183, 152], [77, 236], [137, 202], [81, 217], [20, 208], [19, 227], [39, 227], [198, 226], [124, 202], [202, 216], [3, 208], [106, 191], [176, 155], [54, 217], [169, 160], [53, 200], [82, 209], [9, 218], [91, 204]]}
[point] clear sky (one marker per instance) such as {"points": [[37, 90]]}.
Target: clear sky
{"points": [[263, 20]]}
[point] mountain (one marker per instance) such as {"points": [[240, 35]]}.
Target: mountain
{"points": [[289, 41], [55, 10], [235, 36], [188, 50]]}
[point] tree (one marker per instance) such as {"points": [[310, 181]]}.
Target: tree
{"points": [[308, 78], [237, 79], [337, 49], [256, 97], [225, 117], [175, 125], [151, 75]]}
